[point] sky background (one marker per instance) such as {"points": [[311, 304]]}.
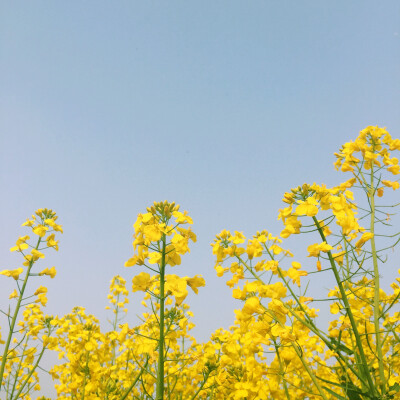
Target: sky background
{"points": [[220, 106]]}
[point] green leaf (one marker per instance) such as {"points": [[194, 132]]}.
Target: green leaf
{"points": [[353, 395], [341, 347], [338, 396], [395, 387]]}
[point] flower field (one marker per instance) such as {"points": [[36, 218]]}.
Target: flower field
{"points": [[277, 347]]}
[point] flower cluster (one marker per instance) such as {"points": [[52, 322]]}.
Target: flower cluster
{"points": [[159, 240], [29, 338]]}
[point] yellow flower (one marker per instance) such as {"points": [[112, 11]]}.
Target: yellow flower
{"points": [[325, 247], [154, 257], [271, 265], [284, 213], [50, 272], [316, 248], [284, 332], [177, 287], [393, 185], [141, 282], [275, 249], [49, 222], [295, 275], [238, 238], [19, 247], [173, 258], [40, 230], [346, 167], [132, 261], [152, 233], [147, 217], [334, 308], [364, 238], [52, 223], [40, 290], [51, 242], [22, 239], [180, 244], [394, 169], [292, 226], [182, 218], [220, 270], [196, 282], [14, 294], [252, 305], [42, 299], [36, 254], [12, 273], [29, 222], [307, 207], [254, 249], [188, 234], [288, 354]]}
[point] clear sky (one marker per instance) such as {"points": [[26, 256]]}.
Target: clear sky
{"points": [[221, 106]]}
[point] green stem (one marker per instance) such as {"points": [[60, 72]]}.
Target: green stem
{"points": [[30, 373], [281, 370], [86, 375], [125, 395], [161, 340], [377, 315], [309, 371], [17, 372], [15, 316], [364, 364], [201, 386]]}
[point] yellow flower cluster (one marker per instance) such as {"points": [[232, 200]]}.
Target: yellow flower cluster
{"points": [[373, 145], [156, 226], [29, 338], [160, 239]]}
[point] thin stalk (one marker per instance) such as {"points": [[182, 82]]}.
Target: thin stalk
{"points": [[281, 371], [30, 373], [17, 371], [85, 377], [161, 340], [309, 371], [364, 364], [377, 315], [15, 316], [125, 395], [201, 386]]}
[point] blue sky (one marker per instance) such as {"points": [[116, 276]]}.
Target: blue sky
{"points": [[106, 107]]}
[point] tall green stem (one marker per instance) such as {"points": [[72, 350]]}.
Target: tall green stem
{"points": [[161, 340], [15, 316], [364, 365], [371, 195]]}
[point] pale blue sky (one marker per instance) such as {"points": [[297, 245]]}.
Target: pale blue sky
{"points": [[220, 106]]}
